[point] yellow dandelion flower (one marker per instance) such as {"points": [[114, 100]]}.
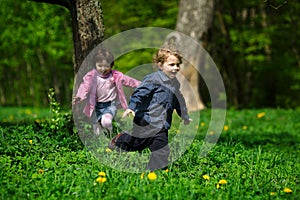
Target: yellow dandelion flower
{"points": [[218, 186], [40, 171], [244, 127], [102, 174], [202, 124], [260, 115], [108, 150], [142, 175], [177, 131], [222, 182], [167, 170], [226, 128], [206, 177], [101, 179], [287, 190], [152, 176], [272, 193], [30, 141]]}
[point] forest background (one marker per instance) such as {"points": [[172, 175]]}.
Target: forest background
{"points": [[254, 45]]}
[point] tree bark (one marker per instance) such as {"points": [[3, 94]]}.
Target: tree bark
{"points": [[194, 19], [88, 28]]}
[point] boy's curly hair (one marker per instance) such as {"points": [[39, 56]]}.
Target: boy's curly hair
{"points": [[165, 51], [103, 54]]}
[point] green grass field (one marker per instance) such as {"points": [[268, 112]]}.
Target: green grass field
{"points": [[256, 157]]}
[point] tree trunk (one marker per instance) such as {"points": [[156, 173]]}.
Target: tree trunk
{"points": [[194, 19], [229, 73], [88, 28]]}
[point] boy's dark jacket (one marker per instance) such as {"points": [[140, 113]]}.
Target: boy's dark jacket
{"points": [[155, 100]]}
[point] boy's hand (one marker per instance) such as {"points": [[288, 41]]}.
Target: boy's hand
{"points": [[76, 100], [187, 122], [127, 112]]}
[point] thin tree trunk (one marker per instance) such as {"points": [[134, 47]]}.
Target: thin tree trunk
{"points": [[229, 73], [2, 95]]}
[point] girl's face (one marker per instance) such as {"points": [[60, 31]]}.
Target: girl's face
{"points": [[171, 66], [103, 67]]}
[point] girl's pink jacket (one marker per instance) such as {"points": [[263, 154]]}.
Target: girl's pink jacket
{"points": [[88, 87]]}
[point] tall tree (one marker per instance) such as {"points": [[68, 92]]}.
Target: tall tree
{"points": [[87, 26], [194, 19]]}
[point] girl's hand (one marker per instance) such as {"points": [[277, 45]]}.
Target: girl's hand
{"points": [[76, 100], [127, 112], [187, 122]]}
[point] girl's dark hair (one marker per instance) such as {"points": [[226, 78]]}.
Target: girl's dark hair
{"points": [[103, 54], [164, 52]]}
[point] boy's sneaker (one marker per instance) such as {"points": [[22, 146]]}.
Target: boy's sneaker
{"points": [[112, 143]]}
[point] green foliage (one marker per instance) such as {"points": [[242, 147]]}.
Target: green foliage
{"points": [[59, 122], [256, 157], [131, 14], [36, 52], [255, 47]]}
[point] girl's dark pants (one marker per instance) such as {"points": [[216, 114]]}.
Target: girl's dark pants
{"points": [[158, 145]]}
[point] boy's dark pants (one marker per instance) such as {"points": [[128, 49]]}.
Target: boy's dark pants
{"points": [[158, 145]]}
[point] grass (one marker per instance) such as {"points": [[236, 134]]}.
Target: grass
{"points": [[12, 115], [256, 157]]}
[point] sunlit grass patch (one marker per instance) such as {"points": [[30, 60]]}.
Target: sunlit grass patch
{"points": [[254, 158], [23, 114]]}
